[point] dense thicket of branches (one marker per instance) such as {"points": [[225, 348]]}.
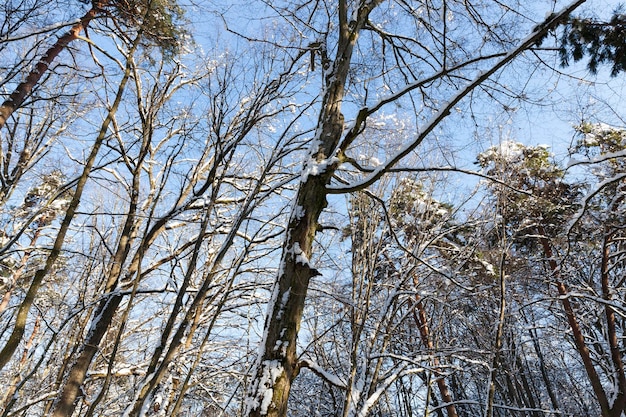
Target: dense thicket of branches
{"points": [[272, 208]]}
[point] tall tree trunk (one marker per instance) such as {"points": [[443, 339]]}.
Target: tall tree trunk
{"points": [[544, 372], [495, 364], [276, 365], [530, 398], [20, 322], [16, 99], [421, 320], [619, 403], [65, 402], [577, 334]]}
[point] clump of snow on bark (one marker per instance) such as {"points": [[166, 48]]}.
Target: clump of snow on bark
{"points": [[271, 371], [300, 256], [281, 346], [297, 212], [260, 391], [370, 161], [317, 168], [283, 303]]}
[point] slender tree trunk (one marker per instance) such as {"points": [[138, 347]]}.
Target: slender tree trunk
{"points": [[103, 315], [166, 352], [65, 402], [24, 308], [154, 374], [544, 372], [619, 403], [421, 319], [16, 99], [577, 334], [498, 348], [527, 388]]}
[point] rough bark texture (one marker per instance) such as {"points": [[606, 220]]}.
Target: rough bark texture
{"points": [[276, 365]]}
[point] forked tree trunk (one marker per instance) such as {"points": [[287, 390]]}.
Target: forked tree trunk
{"points": [[276, 365]]}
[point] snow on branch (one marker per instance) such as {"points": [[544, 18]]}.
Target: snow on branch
{"points": [[586, 201], [322, 373], [374, 397]]}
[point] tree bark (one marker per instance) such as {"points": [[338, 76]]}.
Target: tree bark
{"points": [[17, 97], [421, 319], [276, 365], [619, 403], [24, 308], [65, 401], [495, 364]]}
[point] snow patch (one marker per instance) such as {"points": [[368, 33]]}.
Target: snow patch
{"points": [[300, 256], [297, 212], [283, 303], [317, 168], [281, 346], [488, 267], [271, 371], [508, 150]]}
